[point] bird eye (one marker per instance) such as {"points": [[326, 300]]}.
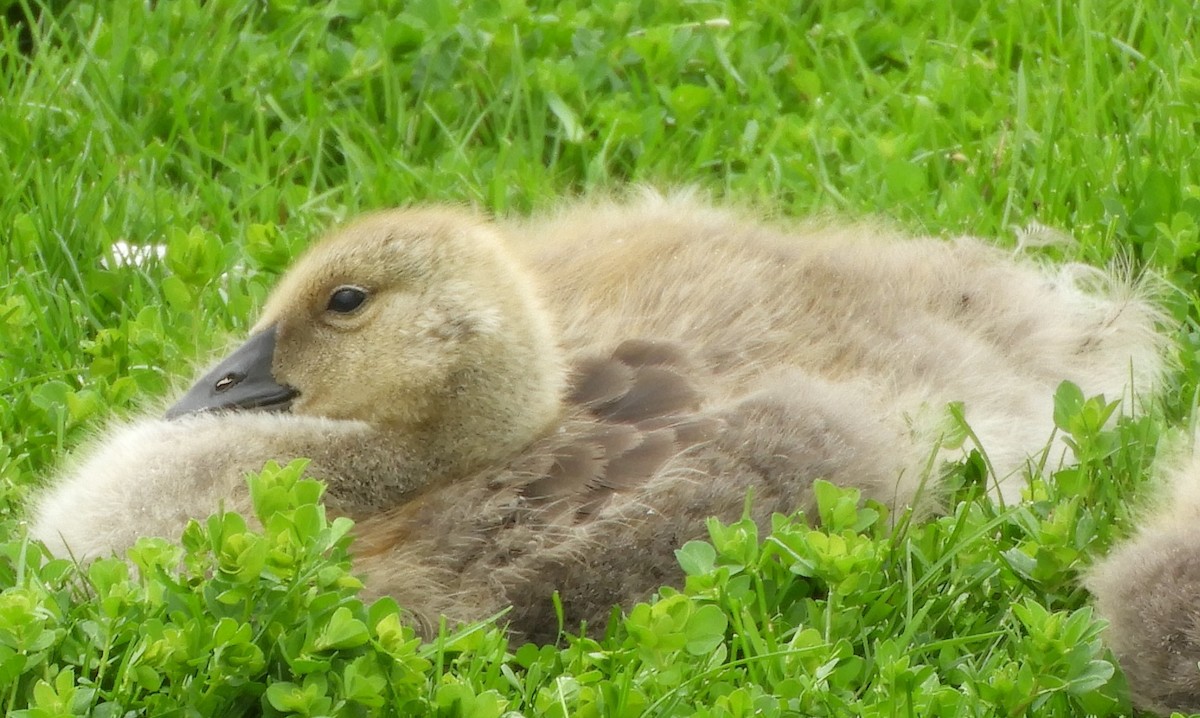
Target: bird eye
{"points": [[346, 299]]}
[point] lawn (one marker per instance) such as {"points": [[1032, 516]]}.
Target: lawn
{"points": [[213, 139]]}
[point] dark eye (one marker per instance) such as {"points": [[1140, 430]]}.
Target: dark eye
{"points": [[346, 299]]}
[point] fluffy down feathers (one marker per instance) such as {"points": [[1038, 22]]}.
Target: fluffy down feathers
{"points": [[1148, 589], [558, 403]]}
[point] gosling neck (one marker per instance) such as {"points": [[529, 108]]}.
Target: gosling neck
{"points": [[492, 409]]}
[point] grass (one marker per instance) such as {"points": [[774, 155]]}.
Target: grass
{"points": [[230, 132]]}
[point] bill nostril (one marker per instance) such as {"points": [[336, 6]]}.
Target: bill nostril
{"points": [[229, 380]]}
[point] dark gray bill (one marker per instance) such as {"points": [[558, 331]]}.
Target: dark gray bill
{"points": [[243, 381]]}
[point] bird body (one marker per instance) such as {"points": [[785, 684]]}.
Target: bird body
{"points": [[559, 403], [1147, 590]]}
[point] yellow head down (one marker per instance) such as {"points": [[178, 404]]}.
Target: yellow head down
{"points": [[417, 322]]}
